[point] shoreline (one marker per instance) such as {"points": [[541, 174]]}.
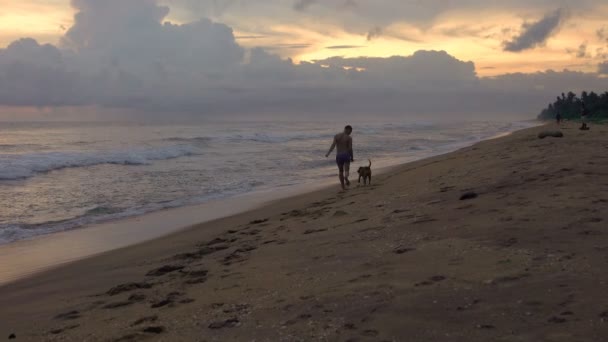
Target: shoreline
{"points": [[43, 253], [406, 259]]}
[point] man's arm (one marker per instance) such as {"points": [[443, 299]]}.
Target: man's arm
{"points": [[350, 149], [331, 149]]}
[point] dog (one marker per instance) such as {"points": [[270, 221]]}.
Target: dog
{"points": [[365, 172]]}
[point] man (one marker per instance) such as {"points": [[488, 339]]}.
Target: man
{"points": [[584, 117], [344, 157], [558, 118]]}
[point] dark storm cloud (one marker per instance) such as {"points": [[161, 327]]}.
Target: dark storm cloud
{"points": [[603, 68], [535, 34]]}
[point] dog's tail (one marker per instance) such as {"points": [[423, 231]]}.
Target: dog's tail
{"points": [[370, 162]]}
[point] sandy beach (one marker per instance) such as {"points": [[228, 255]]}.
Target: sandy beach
{"points": [[520, 257]]}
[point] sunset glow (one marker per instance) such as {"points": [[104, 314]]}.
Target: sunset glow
{"points": [[476, 36]]}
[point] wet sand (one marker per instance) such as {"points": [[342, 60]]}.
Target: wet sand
{"points": [[502, 241]]}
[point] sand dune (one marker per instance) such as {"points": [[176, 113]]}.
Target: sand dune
{"points": [[521, 257]]}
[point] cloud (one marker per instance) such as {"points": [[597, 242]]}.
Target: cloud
{"points": [[535, 34], [603, 68], [602, 34], [144, 63], [302, 5], [343, 47], [582, 51], [374, 33]]}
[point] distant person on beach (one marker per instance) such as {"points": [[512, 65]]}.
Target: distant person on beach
{"points": [[558, 118], [584, 117], [344, 142]]}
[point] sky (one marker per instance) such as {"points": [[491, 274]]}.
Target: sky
{"points": [[210, 57]]}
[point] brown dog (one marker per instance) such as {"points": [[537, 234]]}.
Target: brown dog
{"points": [[365, 173]]}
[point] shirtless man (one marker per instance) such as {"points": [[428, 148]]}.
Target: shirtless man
{"points": [[344, 142]]}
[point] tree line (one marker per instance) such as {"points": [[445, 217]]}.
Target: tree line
{"points": [[569, 106]]}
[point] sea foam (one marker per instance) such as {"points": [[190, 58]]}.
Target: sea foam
{"points": [[21, 166]]}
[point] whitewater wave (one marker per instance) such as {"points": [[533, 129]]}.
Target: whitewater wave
{"points": [[22, 166], [273, 139], [21, 231]]}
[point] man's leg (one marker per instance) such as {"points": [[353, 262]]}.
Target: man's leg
{"points": [[347, 173], [341, 168]]}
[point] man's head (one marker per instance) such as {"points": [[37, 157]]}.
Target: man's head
{"points": [[348, 129]]}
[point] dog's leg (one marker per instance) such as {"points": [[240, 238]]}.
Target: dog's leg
{"points": [[370, 179]]}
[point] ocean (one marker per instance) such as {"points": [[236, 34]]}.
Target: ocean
{"points": [[58, 176]]}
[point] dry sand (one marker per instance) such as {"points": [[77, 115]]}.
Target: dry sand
{"points": [[402, 260]]}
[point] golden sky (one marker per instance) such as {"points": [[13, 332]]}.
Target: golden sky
{"points": [[477, 36]]}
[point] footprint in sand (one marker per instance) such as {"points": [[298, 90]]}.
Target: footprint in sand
{"points": [[403, 250], [154, 330], [67, 316], [340, 213], [169, 300], [147, 319], [202, 252], [164, 270], [61, 330], [314, 231], [127, 288], [229, 323], [195, 276], [431, 281]]}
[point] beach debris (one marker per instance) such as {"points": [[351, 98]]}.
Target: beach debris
{"points": [[259, 221], [12, 336], [553, 134], [127, 287], [469, 196], [229, 323], [68, 315], [164, 270]]}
